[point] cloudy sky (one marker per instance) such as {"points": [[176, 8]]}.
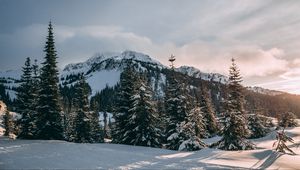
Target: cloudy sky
{"points": [[263, 35]]}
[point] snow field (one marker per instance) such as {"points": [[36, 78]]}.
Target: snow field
{"points": [[38, 154]]}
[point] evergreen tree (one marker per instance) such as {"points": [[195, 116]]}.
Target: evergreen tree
{"points": [[190, 130], [143, 117], [128, 87], [34, 90], [49, 122], [8, 123], [208, 113], [25, 99], [86, 122], [256, 126], [96, 130], [136, 117], [176, 107], [288, 119], [235, 129]]}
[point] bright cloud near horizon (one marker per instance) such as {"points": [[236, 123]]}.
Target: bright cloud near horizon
{"points": [[263, 36]]}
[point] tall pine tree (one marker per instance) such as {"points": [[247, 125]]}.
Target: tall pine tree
{"points": [[25, 103], [235, 128], [49, 111], [176, 107], [143, 117], [83, 118], [127, 89], [208, 113]]}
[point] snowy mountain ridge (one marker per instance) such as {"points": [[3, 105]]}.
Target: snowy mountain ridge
{"points": [[103, 58], [264, 91], [196, 73], [104, 69]]}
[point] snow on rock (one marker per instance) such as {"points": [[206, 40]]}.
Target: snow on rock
{"points": [[104, 69], [109, 116], [99, 80], [11, 74], [52, 154], [10, 81], [194, 72], [265, 91]]}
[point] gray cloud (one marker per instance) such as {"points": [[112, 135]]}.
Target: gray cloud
{"points": [[203, 34]]}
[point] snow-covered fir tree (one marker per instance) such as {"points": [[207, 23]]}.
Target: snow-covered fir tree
{"points": [[143, 117], [176, 107], [208, 113], [49, 115], [86, 123], [136, 117], [256, 126], [96, 130], [35, 84], [128, 87], [235, 129], [190, 130], [287, 119], [8, 123], [26, 104]]}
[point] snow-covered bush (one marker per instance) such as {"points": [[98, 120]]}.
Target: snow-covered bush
{"points": [[256, 126], [287, 119]]}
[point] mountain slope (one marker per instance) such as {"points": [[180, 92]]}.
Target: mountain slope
{"points": [[104, 69]]}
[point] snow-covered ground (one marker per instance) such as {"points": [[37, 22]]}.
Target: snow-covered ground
{"points": [[37, 154]]}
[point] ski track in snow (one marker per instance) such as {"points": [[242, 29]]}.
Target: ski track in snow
{"points": [[52, 154]]}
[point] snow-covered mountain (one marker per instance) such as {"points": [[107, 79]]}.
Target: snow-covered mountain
{"points": [[10, 80], [194, 72], [264, 91], [104, 69]]}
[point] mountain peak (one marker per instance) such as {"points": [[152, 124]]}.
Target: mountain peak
{"points": [[118, 57]]}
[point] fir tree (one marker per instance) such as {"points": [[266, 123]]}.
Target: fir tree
{"points": [[288, 119], [128, 87], [34, 90], [49, 123], [176, 107], [8, 123], [235, 129], [256, 126], [208, 113], [86, 127], [143, 117], [190, 130], [26, 106], [97, 134]]}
